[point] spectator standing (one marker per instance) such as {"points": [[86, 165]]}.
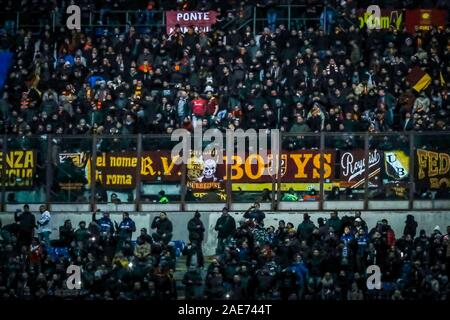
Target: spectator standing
{"points": [[225, 226], [196, 236], [306, 228], [44, 225], [106, 226], [255, 214], [334, 222], [125, 228], [410, 226], [27, 223]]}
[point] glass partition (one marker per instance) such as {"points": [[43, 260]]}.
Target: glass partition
{"points": [[69, 173], [115, 169], [348, 167], [252, 171], [431, 153], [160, 176], [301, 167], [25, 164], [59, 169], [395, 168]]}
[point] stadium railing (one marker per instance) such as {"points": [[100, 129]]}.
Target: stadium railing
{"points": [[319, 171], [292, 15]]}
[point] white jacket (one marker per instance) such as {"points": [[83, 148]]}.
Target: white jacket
{"points": [[44, 222]]}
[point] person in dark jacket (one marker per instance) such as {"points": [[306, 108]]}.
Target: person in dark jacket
{"points": [[255, 214], [225, 225], [410, 226], [126, 227], [66, 233], [105, 224], [82, 233], [192, 281], [196, 236], [306, 228], [334, 222], [145, 236], [163, 227], [27, 223]]}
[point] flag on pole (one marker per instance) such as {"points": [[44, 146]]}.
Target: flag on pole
{"points": [[418, 79]]}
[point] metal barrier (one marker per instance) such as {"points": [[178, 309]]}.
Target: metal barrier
{"points": [[404, 169], [291, 15]]}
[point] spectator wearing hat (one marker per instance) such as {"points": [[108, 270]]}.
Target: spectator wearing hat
{"points": [[196, 236]]}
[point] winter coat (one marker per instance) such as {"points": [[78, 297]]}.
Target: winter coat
{"points": [[225, 225], [196, 229], [44, 222], [162, 226], [26, 220]]}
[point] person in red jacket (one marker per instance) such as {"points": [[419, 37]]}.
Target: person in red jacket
{"points": [[389, 233], [198, 106]]}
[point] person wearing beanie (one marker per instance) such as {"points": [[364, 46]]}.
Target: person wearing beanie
{"points": [[410, 226], [196, 235]]}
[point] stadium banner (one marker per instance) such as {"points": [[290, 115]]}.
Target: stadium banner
{"points": [[199, 20], [353, 168], [20, 168], [71, 171], [396, 165], [297, 167], [432, 169], [424, 19], [118, 170], [388, 18]]}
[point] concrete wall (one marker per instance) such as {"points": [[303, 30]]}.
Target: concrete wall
{"points": [[426, 220]]}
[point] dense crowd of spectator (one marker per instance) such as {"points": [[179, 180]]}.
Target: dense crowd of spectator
{"points": [[323, 261], [308, 80]]}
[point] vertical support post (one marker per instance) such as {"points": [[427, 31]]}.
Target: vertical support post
{"points": [[254, 21], [411, 171], [4, 151], [366, 171], [93, 172], [17, 20], [183, 186], [138, 172], [48, 170], [90, 19], [280, 143], [183, 179], [229, 150], [322, 178], [53, 20], [325, 19], [289, 17]]}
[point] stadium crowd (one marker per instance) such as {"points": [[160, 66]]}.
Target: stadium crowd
{"points": [[323, 261], [146, 81]]}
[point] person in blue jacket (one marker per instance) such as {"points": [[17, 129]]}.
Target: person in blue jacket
{"points": [[105, 224], [301, 274], [126, 227]]}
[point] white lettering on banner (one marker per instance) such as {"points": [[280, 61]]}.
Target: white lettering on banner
{"points": [[352, 169], [192, 16]]}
